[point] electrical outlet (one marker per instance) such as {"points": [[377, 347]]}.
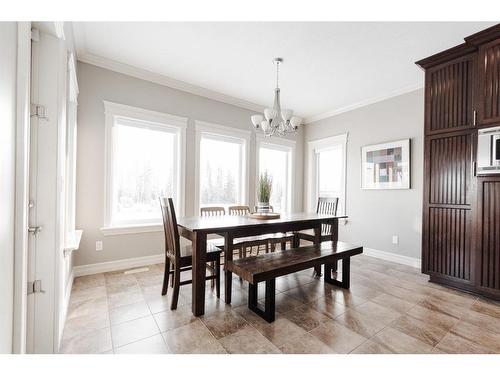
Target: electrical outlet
{"points": [[98, 246], [395, 240]]}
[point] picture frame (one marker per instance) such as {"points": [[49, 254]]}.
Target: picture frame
{"points": [[386, 165]]}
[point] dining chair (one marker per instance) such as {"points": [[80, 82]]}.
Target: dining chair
{"points": [[212, 211], [326, 206], [249, 242], [219, 242], [278, 238], [181, 257]]}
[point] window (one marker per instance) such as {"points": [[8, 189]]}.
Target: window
{"points": [[144, 163], [330, 173], [71, 134], [327, 170], [222, 165], [276, 157]]}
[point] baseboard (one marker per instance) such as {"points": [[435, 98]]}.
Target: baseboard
{"points": [[117, 265], [401, 259]]}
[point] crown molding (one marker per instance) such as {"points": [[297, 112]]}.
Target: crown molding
{"points": [[363, 103], [160, 79], [84, 56]]}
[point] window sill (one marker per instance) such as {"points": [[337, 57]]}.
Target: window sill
{"points": [[131, 229], [72, 241]]}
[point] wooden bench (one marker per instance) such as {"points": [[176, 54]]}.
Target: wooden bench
{"points": [[268, 267]]}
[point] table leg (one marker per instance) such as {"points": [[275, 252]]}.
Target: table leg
{"points": [[335, 230], [295, 240], [199, 273], [317, 241], [334, 238], [228, 275]]}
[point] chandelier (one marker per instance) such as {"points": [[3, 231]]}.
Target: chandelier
{"points": [[277, 121]]}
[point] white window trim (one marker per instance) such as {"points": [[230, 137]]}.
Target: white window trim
{"points": [[220, 131], [280, 144], [72, 236], [161, 120], [313, 148]]}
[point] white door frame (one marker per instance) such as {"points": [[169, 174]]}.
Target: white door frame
{"points": [[22, 178], [47, 167]]}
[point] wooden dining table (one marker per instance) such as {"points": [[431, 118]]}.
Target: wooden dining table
{"points": [[197, 229]]}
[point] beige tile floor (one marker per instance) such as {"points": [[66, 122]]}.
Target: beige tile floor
{"points": [[390, 308]]}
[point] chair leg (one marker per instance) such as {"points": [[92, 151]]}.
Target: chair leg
{"points": [[172, 279], [242, 251], [283, 246], [217, 277], [177, 282], [267, 247], [166, 274], [213, 272]]}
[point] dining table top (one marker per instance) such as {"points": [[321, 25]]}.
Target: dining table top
{"points": [[227, 222]]}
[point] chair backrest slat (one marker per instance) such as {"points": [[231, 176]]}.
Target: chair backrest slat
{"points": [[172, 242], [212, 211], [327, 206], [239, 210]]}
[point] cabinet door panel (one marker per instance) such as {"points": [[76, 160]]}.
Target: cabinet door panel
{"points": [[448, 208], [450, 169], [449, 96], [488, 271], [489, 83], [450, 242]]}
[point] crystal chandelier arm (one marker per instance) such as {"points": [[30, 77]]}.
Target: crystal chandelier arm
{"points": [[277, 121], [277, 73]]}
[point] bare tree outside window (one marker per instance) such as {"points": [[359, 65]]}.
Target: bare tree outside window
{"points": [[276, 163], [220, 172], [143, 170]]}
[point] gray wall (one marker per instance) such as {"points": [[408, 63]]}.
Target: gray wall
{"points": [[376, 215], [8, 59], [97, 84]]}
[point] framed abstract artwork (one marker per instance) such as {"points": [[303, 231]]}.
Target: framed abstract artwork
{"points": [[386, 165]]}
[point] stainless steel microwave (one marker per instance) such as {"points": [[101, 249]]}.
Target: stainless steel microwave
{"points": [[488, 151]]}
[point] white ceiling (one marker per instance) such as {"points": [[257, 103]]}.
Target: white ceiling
{"points": [[329, 67]]}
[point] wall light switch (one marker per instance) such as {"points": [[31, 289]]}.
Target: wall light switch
{"points": [[395, 240], [98, 246]]}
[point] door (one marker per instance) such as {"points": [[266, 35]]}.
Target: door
{"points": [[449, 96], [448, 207], [488, 100], [488, 236], [46, 195]]}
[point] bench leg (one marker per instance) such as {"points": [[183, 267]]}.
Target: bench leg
{"points": [[269, 305], [346, 269]]}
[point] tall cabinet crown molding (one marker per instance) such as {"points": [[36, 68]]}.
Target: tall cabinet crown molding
{"points": [[461, 210]]}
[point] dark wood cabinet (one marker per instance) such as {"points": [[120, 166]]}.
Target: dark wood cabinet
{"points": [[449, 94], [488, 101], [488, 236], [448, 207], [461, 211]]}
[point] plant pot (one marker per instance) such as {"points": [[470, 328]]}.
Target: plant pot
{"points": [[263, 207]]}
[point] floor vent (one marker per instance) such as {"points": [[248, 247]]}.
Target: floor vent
{"points": [[137, 270]]}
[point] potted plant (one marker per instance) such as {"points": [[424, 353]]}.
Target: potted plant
{"points": [[264, 192]]}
